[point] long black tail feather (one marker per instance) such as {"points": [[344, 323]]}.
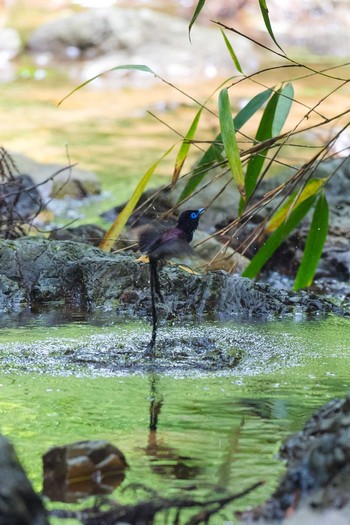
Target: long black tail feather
{"points": [[155, 289], [154, 269]]}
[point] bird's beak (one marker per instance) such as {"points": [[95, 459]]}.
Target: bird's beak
{"points": [[200, 211]]}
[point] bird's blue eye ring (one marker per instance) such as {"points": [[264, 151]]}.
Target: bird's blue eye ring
{"points": [[193, 215]]}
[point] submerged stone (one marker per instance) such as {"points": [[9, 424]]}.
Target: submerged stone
{"points": [[82, 469], [318, 467]]}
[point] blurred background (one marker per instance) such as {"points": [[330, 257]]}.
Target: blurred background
{"points": [[117, 126]]}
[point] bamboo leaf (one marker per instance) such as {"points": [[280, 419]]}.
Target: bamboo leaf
{"points": [[114, 231], [251, 108], [136, 67], [284, 103], [314, 244], [232, 53], [311, 188], [264, 132], [185, 147], [265, 14], [213, 154], [229, 140], [271, 123], [198, 9], [276, 238]]}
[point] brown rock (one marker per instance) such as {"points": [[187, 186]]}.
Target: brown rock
{"points": [[82, 469]]}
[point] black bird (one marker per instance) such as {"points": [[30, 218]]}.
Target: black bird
{"points": [[173, 242]]}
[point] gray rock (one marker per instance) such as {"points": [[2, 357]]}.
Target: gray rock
{"points": [[10, 44], [20, 200], [74, 182], [19, 504], [85, 277], [86, 233], [216, 257], [318, 466], [139, 36], [12, 296]]}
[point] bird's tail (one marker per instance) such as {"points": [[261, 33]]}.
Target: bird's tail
{"points": [[154, 276], [155, 289]]}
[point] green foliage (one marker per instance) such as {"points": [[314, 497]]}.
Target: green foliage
{"points": [[285, 220], [314, 244], [229, 141], [264, 11], [250, 159], [185, 147], [134, 67], [272, 121], [214, 154], [251, 108], [212, 157], [265, 15], [275, 240], [232, 53], [198, 9], [310, 189], [116, 228]]}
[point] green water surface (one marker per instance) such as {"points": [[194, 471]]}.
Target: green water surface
{"points": [[214, 429]]}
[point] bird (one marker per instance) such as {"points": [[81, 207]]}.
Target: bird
{"points": [[172, 242]]}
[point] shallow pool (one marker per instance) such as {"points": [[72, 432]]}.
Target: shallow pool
{"points": [[219, 428]]}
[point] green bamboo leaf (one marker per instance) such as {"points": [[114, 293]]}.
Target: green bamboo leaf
{"points": [[229, 141], [284, 103], [251, 108], [276, 238], [264, 132], [135, 67], [312, 187], [185, 147], [265, 14], [271, 123], [213, 154], [232, 53], [114, 231], [198, 9], [314, 244]]}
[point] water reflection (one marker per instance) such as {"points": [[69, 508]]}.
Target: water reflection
{"points": [[165, 460], [186, 429], [176, 433], [79, 470], [52, 315]]}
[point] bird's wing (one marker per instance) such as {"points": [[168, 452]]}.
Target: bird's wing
{"points": [[175, 247], [149, 238]]}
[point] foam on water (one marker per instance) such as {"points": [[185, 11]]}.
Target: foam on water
{"points": [[244, 349]]}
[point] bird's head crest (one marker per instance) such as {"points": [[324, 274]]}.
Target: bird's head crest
{"points": [[189, 219]]}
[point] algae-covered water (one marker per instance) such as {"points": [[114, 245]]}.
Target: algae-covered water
{"points": [[214, 428]]}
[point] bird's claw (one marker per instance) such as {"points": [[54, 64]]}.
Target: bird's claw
{"points": [[143, 259]]}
